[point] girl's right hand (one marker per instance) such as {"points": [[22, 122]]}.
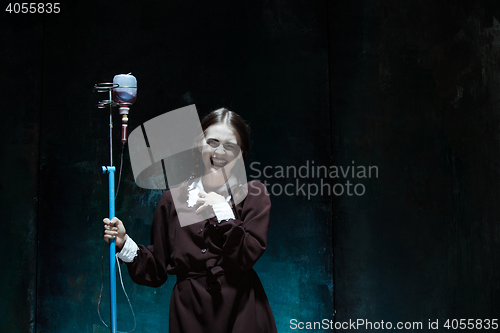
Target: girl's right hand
{"points": [[115, 229]]}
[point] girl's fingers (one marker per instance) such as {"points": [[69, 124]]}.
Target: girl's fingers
{"points": [[107, 222], [202, 207], [113, 220], [108, 227], [111, 229]]}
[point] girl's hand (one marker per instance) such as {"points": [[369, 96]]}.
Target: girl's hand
{"points": [[208, 199], [115, 229]]}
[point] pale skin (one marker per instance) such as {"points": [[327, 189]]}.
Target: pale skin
{"points": [[219, 151]]}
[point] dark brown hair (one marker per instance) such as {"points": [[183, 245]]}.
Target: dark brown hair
{"points": [[234, 121]]}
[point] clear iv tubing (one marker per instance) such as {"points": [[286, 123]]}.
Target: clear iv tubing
{"points": [[123, 287]]}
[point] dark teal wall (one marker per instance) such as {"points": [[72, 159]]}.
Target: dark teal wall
{"points": [[266, 60], [415, 91], [20, 68]]}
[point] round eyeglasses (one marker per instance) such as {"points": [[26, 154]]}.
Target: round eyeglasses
{"points": [[228, 146]]}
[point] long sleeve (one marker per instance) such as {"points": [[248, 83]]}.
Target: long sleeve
{"points": [[243, 240], [149, 267], [129, 250], [223, 211]]}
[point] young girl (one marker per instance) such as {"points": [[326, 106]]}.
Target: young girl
{"points": [[217, 291]]}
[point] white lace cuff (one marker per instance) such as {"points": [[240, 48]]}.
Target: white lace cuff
{"points": [[223, 211], [129, 251]]}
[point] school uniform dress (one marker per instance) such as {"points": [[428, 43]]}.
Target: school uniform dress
{"points": [[217, 290]]}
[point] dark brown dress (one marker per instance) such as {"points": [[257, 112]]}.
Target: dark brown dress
{"points": [[217, 291]]}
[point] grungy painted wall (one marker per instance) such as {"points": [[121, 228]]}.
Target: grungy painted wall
{"points": [[268, 61], [19, 150], [415, 91], [407, 87]]}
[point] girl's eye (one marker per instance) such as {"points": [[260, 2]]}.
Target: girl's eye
{"points": [[230, 146], [213, 143]]}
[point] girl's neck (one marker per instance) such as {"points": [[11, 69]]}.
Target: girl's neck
{"points": [[210, 184]]}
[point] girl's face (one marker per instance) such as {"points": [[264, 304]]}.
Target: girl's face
{"points": [[219, 149]]}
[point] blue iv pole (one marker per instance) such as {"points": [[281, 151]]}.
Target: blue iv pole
{"points": [[126, 97], [103, 87], [112, 261]]}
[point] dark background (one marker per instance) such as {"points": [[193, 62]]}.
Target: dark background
{"points": [[408, 86]]}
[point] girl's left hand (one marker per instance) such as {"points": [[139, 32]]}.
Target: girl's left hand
{"points": [[208, 199]]}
